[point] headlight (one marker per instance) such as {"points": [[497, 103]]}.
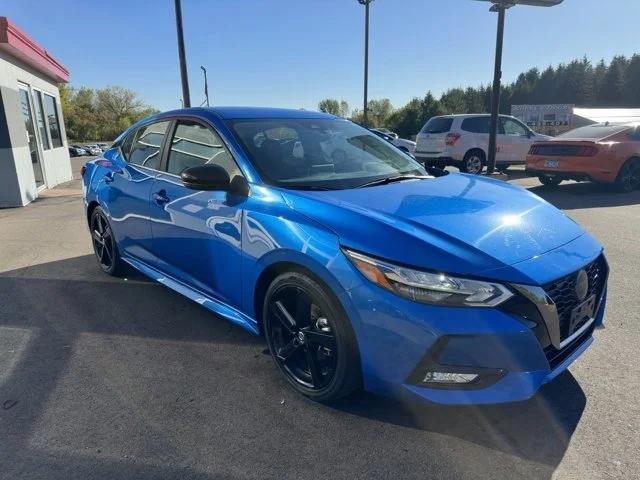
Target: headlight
{"points": [[425, 287]]}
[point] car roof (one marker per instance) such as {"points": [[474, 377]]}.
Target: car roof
{"points": [[233, 113]]}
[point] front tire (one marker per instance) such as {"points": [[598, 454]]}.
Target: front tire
{"points": [[550, 180], [104, 243], [628, 178], [473, 162], [310, 338]]}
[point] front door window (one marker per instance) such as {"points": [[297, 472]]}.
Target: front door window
{"points": [[30, 132]]}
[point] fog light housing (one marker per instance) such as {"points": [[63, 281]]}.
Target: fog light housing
{"points": [[451, 378]]}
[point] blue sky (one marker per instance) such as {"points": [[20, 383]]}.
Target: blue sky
{"points": [[292, 53]]}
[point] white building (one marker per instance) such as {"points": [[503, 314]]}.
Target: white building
{"points": [[560, 118], [33, 147]]}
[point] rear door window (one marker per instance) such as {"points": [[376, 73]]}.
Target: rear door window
{"points": [[476, 124], [146, 148], [438, 125]]}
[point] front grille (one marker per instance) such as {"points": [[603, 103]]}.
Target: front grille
{"points": [[563, 292], [556, 357]]}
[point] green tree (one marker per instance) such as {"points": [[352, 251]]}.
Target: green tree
{"points": [[100, 114], [453, 101], [329, 105]]}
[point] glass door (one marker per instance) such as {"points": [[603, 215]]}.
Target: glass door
{"points": [[25, 107]]}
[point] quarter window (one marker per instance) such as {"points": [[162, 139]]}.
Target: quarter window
{"points": [[53, 120], [193, 145], [125, 146], [40, 120], [145, 150]]}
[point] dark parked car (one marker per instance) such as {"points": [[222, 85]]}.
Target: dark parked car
{"points": [[77, 151]]}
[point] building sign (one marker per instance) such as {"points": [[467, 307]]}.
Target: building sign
{"points": [[559, 115]]}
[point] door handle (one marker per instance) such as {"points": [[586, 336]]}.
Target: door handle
{"points": [[160, 198]]}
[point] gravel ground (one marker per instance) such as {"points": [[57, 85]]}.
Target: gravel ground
{"points": [[122, 379]]}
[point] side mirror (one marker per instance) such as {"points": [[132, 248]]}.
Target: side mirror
{"points": [[206, 177]]}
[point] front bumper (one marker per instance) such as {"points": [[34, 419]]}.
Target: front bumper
{"points": [[511, 351]]}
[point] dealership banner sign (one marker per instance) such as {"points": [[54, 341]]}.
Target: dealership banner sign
{"points": [[557, 115]]}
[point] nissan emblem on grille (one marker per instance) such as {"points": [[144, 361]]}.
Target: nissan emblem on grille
{"points": [[582, 285]]}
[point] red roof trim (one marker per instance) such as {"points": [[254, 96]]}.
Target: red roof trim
{"points": [[18, 44]]}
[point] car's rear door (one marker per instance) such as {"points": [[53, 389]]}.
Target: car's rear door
{"points": [[197, 234], [135, 164]]}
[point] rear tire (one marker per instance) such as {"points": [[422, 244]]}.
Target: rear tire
{"points": [[550, 180], [628, 178], [310, 338], [473, 162], [104, 243]]}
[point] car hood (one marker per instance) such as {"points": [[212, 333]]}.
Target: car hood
{"points": [[455, 223]]}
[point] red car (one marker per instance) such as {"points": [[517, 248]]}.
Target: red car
{"points": [[599, 153]]}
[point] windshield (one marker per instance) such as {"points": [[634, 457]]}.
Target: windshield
{"points": [[594, 131], [320, 153]]}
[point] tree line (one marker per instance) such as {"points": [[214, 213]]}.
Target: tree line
{"points": [[579, 82], [100, 114]]}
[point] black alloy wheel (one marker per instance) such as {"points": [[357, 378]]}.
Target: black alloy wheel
{"points": [[629, 176], [104, 245], [310, 339]]}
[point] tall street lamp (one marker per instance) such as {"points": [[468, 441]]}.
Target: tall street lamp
{"points": [[366, 58], [500, 7], [206, 85], [183, 61]]}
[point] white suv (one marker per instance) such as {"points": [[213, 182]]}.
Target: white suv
{"points": [[463, 141]]}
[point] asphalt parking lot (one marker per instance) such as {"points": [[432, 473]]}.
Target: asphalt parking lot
{"points": [[122, 378]]}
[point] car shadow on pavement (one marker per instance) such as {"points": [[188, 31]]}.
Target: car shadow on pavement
{"points": [[75, 348], [537, 430], [580, 195], [122, 378]]}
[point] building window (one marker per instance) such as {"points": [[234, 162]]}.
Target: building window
{"points": [[40, 120], [53, 120]]}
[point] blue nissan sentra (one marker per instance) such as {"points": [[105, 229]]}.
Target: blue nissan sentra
{"points": [[360, 267]]}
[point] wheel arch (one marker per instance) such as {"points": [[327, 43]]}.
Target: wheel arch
{"points": [[476, 149], [90, 208], [293, 263], [628, 160]]}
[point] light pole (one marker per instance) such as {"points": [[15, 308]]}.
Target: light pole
{"points": [[206, 86], [366, 59], [183, 61], [500, 7]]}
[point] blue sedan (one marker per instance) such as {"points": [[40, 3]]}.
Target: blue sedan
{"points": [[361, 268]]}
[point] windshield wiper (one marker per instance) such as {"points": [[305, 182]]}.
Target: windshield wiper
{"points": [[397, 178]]}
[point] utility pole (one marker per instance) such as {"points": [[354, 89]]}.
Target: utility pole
{"points": [[500, 7], [206, 86], [183, 61], [495, 96], [366, 59]]}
